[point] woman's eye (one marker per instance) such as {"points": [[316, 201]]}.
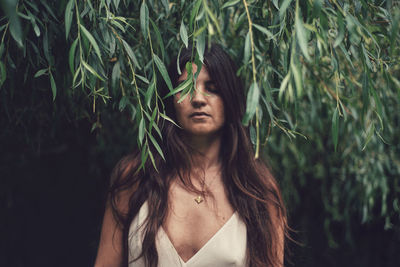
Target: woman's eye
{"points": [[212, 90]]}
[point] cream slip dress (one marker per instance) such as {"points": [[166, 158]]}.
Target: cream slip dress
{"points": [[227, 247]]}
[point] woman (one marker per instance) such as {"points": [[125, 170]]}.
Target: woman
{"points": [[210, 203]]}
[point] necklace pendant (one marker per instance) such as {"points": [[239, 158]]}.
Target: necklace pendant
{"points": [[198, 199]]}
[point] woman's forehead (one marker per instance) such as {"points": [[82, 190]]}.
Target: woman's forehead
{"points": [[203, 75]]}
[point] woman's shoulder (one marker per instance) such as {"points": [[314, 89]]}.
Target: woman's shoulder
{"points": [[126, 167]]}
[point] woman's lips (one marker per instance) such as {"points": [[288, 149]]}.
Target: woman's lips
{"points": [[199, 115]]}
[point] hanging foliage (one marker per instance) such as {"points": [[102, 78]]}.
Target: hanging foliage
{"points": [[324, 73]]}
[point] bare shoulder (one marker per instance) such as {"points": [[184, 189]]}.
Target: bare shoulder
{"points": [[123, 185]]}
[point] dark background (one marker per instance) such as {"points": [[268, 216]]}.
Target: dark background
{"points": [[54, 177], [54, 170]]}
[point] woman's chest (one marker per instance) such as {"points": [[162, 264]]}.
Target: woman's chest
{"points": [[190, 225], [226, 247]]}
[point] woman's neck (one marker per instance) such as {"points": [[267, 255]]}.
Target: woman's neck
{"points": [[207, 155]]}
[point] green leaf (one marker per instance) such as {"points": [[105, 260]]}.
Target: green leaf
{"points": [[68, 17], [165, 117], [152, 159], [53, 86], [159, 38], [3, 73], [264, 30], [166, 5], [40, 72], [71, 57], [183, 34], [149, 94], [246, 55], [335, 128], [253, 97], [157, 146], [123, 102], [91, 70], [152, 120], [89, 36], [15, 27], [141, 130], [378, 103], [301, 34], [284, 84], [116, 4], [130, 53], [295, 67], [369, 135], [201, 45], [144, 79], [144, 19], [163, 70], [283, 8], [194, 12], [230, 3], [143, 157], [340, 36], [115, 75], [33, 21], [181, 87]]}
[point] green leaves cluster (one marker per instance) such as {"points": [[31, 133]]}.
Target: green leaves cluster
{"points": [[324, 70]]}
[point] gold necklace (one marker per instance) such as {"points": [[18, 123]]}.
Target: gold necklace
{"points": [[199, 199]]}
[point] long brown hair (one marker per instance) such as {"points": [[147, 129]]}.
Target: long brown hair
{"points": [[252, 190]]}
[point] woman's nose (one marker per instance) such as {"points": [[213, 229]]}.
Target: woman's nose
{"points": [[198, 97]]}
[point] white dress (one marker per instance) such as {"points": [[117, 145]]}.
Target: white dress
{"points": [[226, 248]]}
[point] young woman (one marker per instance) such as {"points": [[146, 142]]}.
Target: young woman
{"points": [[210, 203]]}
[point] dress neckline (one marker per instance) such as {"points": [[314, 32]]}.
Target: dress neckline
{"points": [[196, 255]]}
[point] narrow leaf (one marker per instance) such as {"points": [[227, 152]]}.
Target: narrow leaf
{"points": [[201, 46], [89, 36], [53, 86], [295, 67], [149, 94], [40, 72], [115, 74], [141, 131], [123, 102], [246, 55], [253, 97], [157, 146], [68, 17], [163, 70], [378, 103], [335, 127], [91, 70], [369, 136], [3, 73], [144, 19], [230, 3], [301, 34], [194, 12], [284, 84], [183, 34], [283, 7], [160, 41], [71, 57], [264, 30], [165, 117], [188, 82], [152, 159], [130, 53]]}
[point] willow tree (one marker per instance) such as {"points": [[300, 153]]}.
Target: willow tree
{"points": [[322, 77]]}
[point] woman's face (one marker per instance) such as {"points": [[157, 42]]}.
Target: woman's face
{"points": [[203, 114]]}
